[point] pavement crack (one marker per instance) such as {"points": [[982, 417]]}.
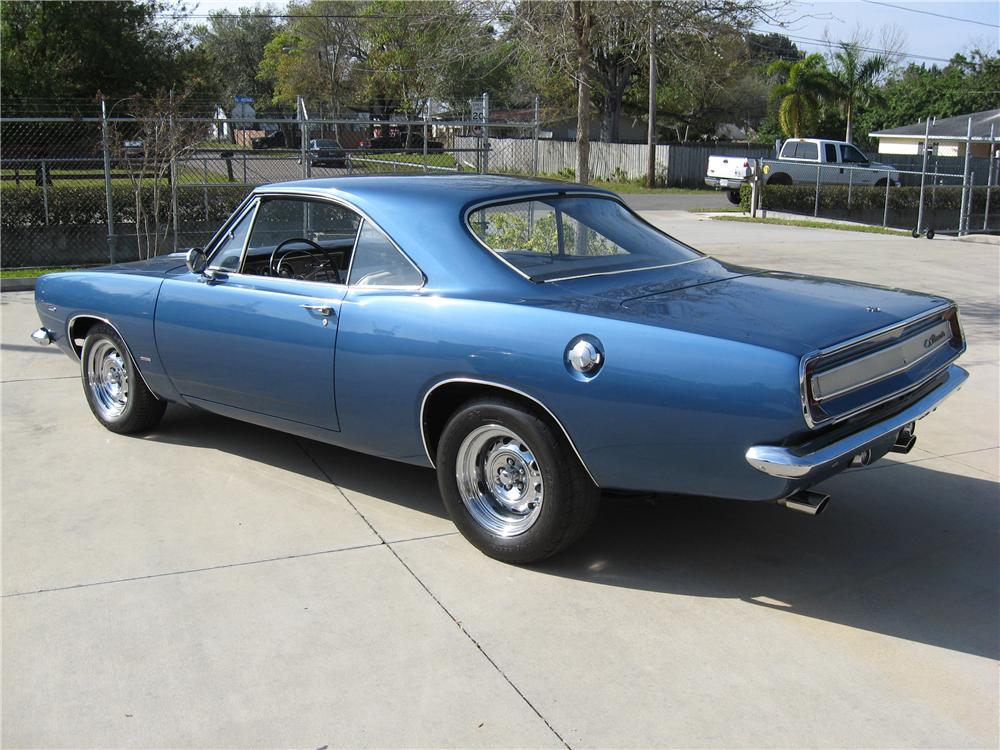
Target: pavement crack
{"points": [[41, 380], [193, 570], [426, 588]]}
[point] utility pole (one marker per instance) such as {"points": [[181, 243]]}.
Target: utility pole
{"points": [[651, 135]]}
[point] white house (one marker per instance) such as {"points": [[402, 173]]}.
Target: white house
{"points": [[947, 136]]}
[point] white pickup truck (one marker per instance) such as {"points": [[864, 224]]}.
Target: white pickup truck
{"points": [[800, 159]]}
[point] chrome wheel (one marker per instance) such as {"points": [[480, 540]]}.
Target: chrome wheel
{"points": [[499, 480], [107, 378]]}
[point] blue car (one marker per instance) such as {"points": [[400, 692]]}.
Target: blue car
{"points": [[536, 342]]}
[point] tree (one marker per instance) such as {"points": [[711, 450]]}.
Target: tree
{"points": [[59, 53], [315, 55], [854, 81], [801, 87], [234, 45]]}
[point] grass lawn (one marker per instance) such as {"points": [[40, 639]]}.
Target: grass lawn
{"points": [[29, 273], [816, 225], [723, 210], [417, 160]]}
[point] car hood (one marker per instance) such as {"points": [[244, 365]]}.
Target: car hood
{"points": [[786, 312], [161, 265]]}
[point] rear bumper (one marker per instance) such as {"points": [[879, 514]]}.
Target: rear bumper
{"points": [[805, 466], [733, 183]]}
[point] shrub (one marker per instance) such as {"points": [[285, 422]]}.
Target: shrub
{"points": [[802, 198], [24, 207]]}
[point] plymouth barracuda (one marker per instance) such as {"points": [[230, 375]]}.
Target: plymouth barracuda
{"points": [[536, 342]]}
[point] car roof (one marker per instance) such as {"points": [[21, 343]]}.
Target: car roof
{"points": [[454, 190]]}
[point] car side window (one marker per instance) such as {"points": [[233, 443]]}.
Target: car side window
{"points": [[807, 150], [831, 152], [227, 258], [850, 155], [297, 238], [377, 262]]}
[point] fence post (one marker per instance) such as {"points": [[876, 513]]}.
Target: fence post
{"points": [[816, 203], [923, 177], [885, 210], [427, 110], [204, 167], [303, 136], [989, 180], [850, 184], [963, 217], [45, 191], [534, 156], [173, 170], [486, 131], [106, 148]]}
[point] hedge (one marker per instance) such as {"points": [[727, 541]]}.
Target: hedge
{"points": [[802, 198], [69, 205]]}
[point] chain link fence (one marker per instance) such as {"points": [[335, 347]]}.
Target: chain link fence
{"points": [[947, 195], [93, 190]]}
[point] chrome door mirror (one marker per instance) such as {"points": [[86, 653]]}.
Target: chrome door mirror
{"points": [[196, 260]]}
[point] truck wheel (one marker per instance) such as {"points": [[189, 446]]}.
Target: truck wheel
{"points": [[115, 391], [779, 179], [734, 197], [881, 183], [511, 483]]}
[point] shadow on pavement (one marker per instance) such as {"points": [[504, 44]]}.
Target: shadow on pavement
{"points": [[902, 550]]}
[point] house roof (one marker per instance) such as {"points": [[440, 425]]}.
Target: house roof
{"points": [[949, 128]]}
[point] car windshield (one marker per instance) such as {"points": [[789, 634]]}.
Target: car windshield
{"points": [[326, 144], [561, 237]]}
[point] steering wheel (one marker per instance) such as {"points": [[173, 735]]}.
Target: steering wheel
{"points": [[275, 269]]}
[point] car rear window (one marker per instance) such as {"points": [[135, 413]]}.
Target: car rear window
{"points": [[562, 237]]}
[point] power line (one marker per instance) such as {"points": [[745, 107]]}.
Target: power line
{"points": [[932, 13], [874, 50]]}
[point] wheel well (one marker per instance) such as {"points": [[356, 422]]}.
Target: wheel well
{"points": [[445, 400], [779, 178], [78, 330]]}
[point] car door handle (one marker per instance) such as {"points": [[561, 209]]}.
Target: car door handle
{"points": [[321, 309]]}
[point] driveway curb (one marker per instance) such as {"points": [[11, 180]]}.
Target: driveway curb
{"points": [[18, 285]]}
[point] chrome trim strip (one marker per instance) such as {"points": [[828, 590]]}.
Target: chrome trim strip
{"points": [[808, 358], [881, 376], [476, 381], [555, 193], [792, 463], [627, 270], [72, 345]]}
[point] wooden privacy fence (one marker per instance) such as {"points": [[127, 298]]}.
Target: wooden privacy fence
{"points": [[680, 165]]}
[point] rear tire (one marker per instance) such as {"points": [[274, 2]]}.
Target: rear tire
{"points": [[734, 197], [114, 389], [511, 483]]}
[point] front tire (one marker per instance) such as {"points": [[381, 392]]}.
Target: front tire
{"points": [[115, 391], [511, 483]]}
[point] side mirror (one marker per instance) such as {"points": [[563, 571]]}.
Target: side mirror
{"points": [[196, 260]]}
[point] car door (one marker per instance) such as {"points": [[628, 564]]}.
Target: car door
{"points": [[257, 331]]}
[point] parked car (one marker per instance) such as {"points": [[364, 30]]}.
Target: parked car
{"points": [[399, 142], [326, 153], [535, 341], [275, 139], [799, 162]]}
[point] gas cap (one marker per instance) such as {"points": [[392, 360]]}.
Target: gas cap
{"points": [[584, 357]]}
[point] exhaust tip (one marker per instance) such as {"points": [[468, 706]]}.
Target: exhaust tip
{"points": [[806, 501], [905, 439], [41, 336]]}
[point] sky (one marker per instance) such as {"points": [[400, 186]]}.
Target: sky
{"points": [[923, 35]]}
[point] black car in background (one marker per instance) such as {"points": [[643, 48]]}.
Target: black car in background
{"points": [[324, 152]]}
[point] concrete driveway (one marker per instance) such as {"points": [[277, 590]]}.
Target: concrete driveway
{"points": [[216, 584]]}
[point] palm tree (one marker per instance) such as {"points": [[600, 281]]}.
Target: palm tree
{"points": [[854, 80], [802, 84]]}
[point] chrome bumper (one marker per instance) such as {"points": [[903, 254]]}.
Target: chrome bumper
{"points": [[797, 464], [42, 336]]}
